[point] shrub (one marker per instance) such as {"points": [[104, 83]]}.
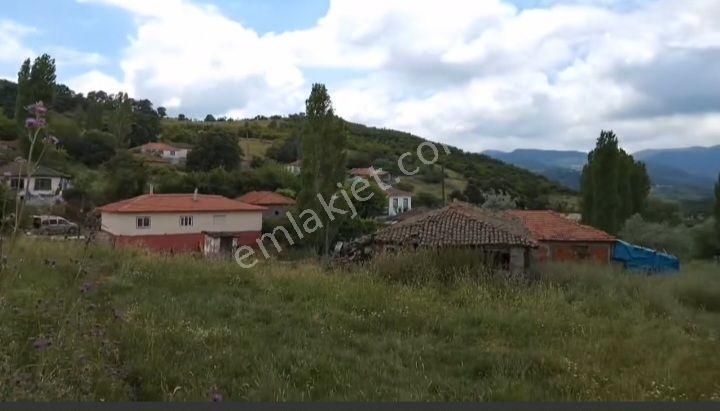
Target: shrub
{"points": [[659, 236]]}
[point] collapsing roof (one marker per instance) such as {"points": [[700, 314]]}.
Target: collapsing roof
{"points": [[457, 224]]}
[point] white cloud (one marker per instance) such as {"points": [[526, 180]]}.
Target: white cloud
{"points": [[12, 48], [95, 80], [477, 74]]}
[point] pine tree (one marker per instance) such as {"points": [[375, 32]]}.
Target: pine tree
{"points": [[323, 156]]}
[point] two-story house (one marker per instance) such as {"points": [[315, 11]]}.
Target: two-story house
{"points": [[43, 186], [210, 224]]}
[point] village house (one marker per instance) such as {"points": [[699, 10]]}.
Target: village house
{"points": [[295, 168], [562, 239], [371, 173], [43, 186], [503, 242], [276, 205], [399, 201], [210, 224], [170, 153]]}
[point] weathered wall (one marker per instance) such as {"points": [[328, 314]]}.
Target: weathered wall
{"points": [[177, 243], [599, 252]]}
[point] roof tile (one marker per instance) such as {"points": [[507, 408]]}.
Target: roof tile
{"points": [[172, 203], [546, 225]]}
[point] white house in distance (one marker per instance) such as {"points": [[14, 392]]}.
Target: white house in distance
{"points": [[167, 152], [44, 186], [398, 201], [294, 168], [210, 224]]}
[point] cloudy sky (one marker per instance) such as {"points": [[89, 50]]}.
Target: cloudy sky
{"points": [[478, 74]]}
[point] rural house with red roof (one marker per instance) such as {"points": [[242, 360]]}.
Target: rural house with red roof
{"points": [[276, 204], [504, 242], [210, 224], [564, 240]]}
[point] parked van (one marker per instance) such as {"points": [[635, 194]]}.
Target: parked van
{"points": [[54, 225]]}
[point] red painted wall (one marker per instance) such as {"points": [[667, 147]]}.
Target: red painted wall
{"points": [[573, 251], [177, 243]]}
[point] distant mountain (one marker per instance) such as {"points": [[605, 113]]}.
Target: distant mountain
{"points": [[699, 161], [684, 173]]}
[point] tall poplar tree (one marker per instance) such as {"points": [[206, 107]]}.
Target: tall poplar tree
{"points": [[323, 161], [613, 186], [24, 95], [42, 79], [717, 211]]}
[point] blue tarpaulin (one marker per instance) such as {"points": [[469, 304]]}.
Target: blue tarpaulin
{"points": [[634, 257]]}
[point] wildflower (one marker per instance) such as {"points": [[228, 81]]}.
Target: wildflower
{"points": [[38, 109], [34, 123]]}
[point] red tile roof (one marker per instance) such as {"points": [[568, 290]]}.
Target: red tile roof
{"points": [[548, 225], [158, 147], [458, 224], [173, 203], [395, 192], [265, 198]]}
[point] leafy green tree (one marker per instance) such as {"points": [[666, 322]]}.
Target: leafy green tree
{"points": [[146, 123], [613, 185], [209, 118], [126, 177], [42, 79], [324, 155], [181, 117], [162, 112], [94, 108], [215, 149], [425, 199], [8, 128], [66, 100], [717, 211], [121, 119], [93, 148], [8, 96], [24, 95]]}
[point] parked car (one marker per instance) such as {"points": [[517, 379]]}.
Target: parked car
{"points": [[54, 225]]}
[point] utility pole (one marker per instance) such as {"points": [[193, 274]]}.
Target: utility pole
{"points": [[442, 168]]}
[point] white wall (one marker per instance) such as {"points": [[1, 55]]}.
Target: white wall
{"points": [[55, 183], [169, 223], [180, 153]]}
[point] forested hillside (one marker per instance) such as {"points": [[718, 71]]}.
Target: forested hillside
{"points": [[98, 134]]}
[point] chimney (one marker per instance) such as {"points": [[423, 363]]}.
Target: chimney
{"points": [[195, 194], [152, 189]]}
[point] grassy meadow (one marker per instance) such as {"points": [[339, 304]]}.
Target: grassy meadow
{"points": [[136, 326]]}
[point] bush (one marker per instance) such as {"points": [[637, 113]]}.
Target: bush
{"points": [[425, 199], [427, 266], [8, 128], [659, 236]]}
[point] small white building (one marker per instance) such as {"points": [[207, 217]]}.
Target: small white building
{"points": [[43, 186], [182, 223], [170, 153], [398, 201], [294, 168]]}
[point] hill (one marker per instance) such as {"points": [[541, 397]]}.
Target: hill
{"points": [[682, 174], [135, 326]]}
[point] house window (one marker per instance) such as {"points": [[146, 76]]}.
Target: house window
{"points": [[219, 220], [17, 183], [42, 184], [142, 222], [395, 203], [186, 221], [581, 252], [172, 153], [406, 204]]}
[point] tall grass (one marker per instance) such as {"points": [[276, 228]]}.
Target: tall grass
{"points": [[434, 327]]}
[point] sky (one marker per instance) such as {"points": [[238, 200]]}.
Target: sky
{"points": [[477, 74]]}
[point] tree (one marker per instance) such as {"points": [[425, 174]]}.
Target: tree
{"points": [[324, 155], [8, 129], [717, 212], [613, 185], [209, 117], [8, 95], [214, 150], [24, 95], [498, 200], [42, 79], [126, 177], [162, 112], [93, 148], [94, 107], [121, 119], [181, 117], [146, 123]]}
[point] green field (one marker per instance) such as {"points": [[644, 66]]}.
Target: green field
{"points": [[135, 326]]}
